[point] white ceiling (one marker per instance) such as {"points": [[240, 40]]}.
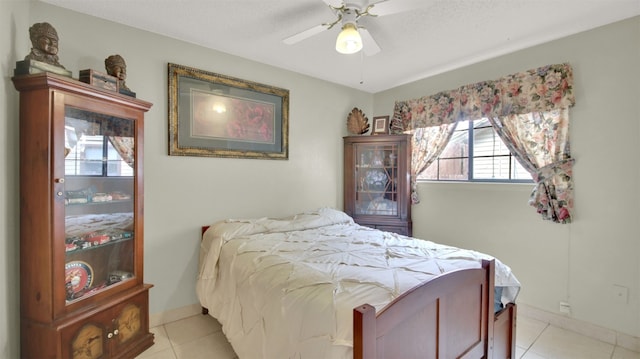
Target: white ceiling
{"points": [[437, 36]]}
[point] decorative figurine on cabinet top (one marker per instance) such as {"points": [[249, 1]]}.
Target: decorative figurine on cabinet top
{"points": [[44, 52], [117, 67], [44, 39], [357, 122], [99, 79]]}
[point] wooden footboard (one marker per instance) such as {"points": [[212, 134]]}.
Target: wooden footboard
{"points": [[450, 316], [504, 333]]}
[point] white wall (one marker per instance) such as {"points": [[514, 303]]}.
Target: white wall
{"points": [[580, 262], [184, 193], [13, 17], [181, 193]]}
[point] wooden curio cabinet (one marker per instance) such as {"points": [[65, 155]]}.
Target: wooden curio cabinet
{"points": [[376, 181], [82, 293]]}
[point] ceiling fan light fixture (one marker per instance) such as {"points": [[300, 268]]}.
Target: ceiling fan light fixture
{"points": [[349, 40]]}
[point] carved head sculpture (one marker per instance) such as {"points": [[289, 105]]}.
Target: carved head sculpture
{"points": [[44, 42], [116, 67]]}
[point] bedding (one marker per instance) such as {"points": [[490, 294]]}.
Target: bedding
{"points": [[286, 288]]}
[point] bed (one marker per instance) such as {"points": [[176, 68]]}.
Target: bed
{"points": [[318, 285]]}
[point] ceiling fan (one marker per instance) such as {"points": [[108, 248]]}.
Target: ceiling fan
{"points": [[354, 37]]}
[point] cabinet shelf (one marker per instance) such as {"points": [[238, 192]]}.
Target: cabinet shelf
{"points": [[94, 290], [374, 167], [98, 203], [92, 246]]}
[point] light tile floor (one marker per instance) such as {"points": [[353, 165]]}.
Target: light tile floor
{"points": [[201, 336]]}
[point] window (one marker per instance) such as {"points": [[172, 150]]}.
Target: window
{"points": [[476, 153], [95, 156]]}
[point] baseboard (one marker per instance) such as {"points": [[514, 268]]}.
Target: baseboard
{"points": [[590, 330], [587, 329], [172, 315]]}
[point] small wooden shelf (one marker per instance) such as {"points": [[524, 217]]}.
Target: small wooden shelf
{"points": [[99, 203], [96, 246]]}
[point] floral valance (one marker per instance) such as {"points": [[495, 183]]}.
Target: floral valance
{"points": [[543, 89]]}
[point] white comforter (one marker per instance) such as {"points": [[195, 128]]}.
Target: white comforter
{"points": [[286, 288]]}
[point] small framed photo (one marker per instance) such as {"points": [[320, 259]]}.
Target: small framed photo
{"points": [[380, 125]]}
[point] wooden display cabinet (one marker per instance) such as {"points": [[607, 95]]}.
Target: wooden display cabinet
{"points": [[82, 293], [377, 181]]}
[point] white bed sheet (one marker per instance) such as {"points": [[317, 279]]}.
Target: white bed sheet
{"points": [[286, 288]]}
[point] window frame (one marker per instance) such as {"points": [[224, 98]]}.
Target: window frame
{"points": [[104, 146], [470, 160]]}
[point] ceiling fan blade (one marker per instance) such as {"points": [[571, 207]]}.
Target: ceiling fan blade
{"points": [[369, 45], [389, 7], [333, 3], [305, 34]]}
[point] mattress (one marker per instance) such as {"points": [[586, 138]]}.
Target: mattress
{"points": [[286, 288]]}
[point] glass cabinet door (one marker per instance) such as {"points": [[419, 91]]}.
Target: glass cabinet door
{"points": [[376, 181], [98, 201]]}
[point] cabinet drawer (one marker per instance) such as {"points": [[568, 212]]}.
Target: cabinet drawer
{"points": [[111, 332]]}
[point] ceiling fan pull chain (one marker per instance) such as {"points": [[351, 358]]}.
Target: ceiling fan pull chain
{"points": [[361, 68]]}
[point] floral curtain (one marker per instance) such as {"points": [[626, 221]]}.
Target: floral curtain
{"points": [[430, 120], [125, 147], [120, 133], [427, 144], [540, 141], [544, 89]]}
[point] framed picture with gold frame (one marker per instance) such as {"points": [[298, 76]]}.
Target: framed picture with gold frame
{"points": [[215, 115], [380, 125]]}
